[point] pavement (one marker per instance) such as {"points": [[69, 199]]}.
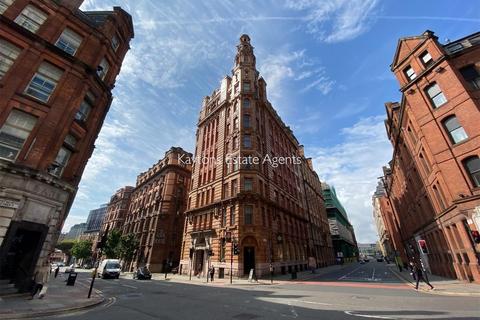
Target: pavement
{"points": [[277, 279], [443, 286], [59, 299], [350, 291]]}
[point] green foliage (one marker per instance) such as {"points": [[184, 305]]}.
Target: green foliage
{"points": [[82, 249], [128, 245], [66, 246], [112, 248]]}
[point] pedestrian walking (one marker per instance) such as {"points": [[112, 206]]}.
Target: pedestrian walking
{"points": [[40, 281], [212, 273], [57, 269], [411, 266], [419, 276]]}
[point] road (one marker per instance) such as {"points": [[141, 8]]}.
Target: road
{"points": [[354, 292]]}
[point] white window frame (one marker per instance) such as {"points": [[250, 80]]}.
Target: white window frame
{"points": [[8, 55], [410, 73], [31, 18], [433, 97], [115, 41], [69, 41], [4, 4], [424, 55], [455, 130], [103, 68], [63, 156], [18, 126], [85, 107], [44, 82]]}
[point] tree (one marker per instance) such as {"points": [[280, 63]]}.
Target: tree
{"points": [[128, 245], [82, 249], [111, 248], [65, 246]]}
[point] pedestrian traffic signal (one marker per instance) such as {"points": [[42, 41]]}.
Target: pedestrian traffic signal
{"points": [[236, 249], [423, 246]]}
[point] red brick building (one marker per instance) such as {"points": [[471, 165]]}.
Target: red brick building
{"points": [[117, 209], [433, 183], [274, 212], [156, 213], [57, 68]]}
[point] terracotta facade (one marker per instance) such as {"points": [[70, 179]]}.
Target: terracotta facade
{"points": [[156, 211], [273, 212], [55, 91], [117, 209], [433, 180]]}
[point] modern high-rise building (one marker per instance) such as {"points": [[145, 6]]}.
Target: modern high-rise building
{"points": [[57, 69], [252, 188], [117, 209], [433, 180], [156, 214], [76, 231], [343, 236]]}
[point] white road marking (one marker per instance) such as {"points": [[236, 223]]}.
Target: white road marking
{"points": [[312, 302], [126, 285], [292, 310], [344, 276], [350, 313], [373, 274]]}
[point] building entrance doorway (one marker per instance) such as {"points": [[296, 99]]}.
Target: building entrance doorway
{"points": [[198, 265], [20, 251], [248, 259]]}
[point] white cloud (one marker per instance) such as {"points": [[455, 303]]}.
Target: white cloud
{"points": [[279, 68], [336, 20], [353, 166]]}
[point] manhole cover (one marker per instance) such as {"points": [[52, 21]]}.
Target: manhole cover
{"points": [[245, 316]]}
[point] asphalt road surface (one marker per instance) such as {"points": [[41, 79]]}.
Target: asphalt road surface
{"points": [[354, 292]]}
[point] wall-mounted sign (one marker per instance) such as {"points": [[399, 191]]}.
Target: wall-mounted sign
{"points": [[8, 203]]}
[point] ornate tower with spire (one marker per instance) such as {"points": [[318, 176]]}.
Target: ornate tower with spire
{"points": [[240, 197]]}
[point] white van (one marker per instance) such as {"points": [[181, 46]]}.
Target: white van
{"points": [[109, 268]]}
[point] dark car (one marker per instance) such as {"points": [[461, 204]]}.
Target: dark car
{"points": [[142, 274], [379, 259]]}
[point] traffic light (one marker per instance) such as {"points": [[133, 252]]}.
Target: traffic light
{"points": [[210, 252], [423, 246], [475, 236], [191, 253], [236, 249]]}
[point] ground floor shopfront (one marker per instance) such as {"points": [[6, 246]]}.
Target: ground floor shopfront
{"points": [[449, 246]]}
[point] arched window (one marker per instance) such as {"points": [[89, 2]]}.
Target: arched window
{"points": [[455, 130], [436, 95], [472, 166]]}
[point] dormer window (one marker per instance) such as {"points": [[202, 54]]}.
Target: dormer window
{"points": [[410, 73], [426, 58]]}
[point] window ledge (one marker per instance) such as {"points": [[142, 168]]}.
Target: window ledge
{"points": [[460, 143]]}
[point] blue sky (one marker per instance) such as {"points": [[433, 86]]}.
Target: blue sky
{"points": [[326, 64]]}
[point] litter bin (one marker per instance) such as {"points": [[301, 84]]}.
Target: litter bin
{"points": [[72, 276], [294, 274]]}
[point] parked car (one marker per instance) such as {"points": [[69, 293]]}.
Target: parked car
{"points": [[366, 259], [142, 273], [60, 264], [109, 268], [87, 265], [70, 268], [362, 261], [379, 259]]}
